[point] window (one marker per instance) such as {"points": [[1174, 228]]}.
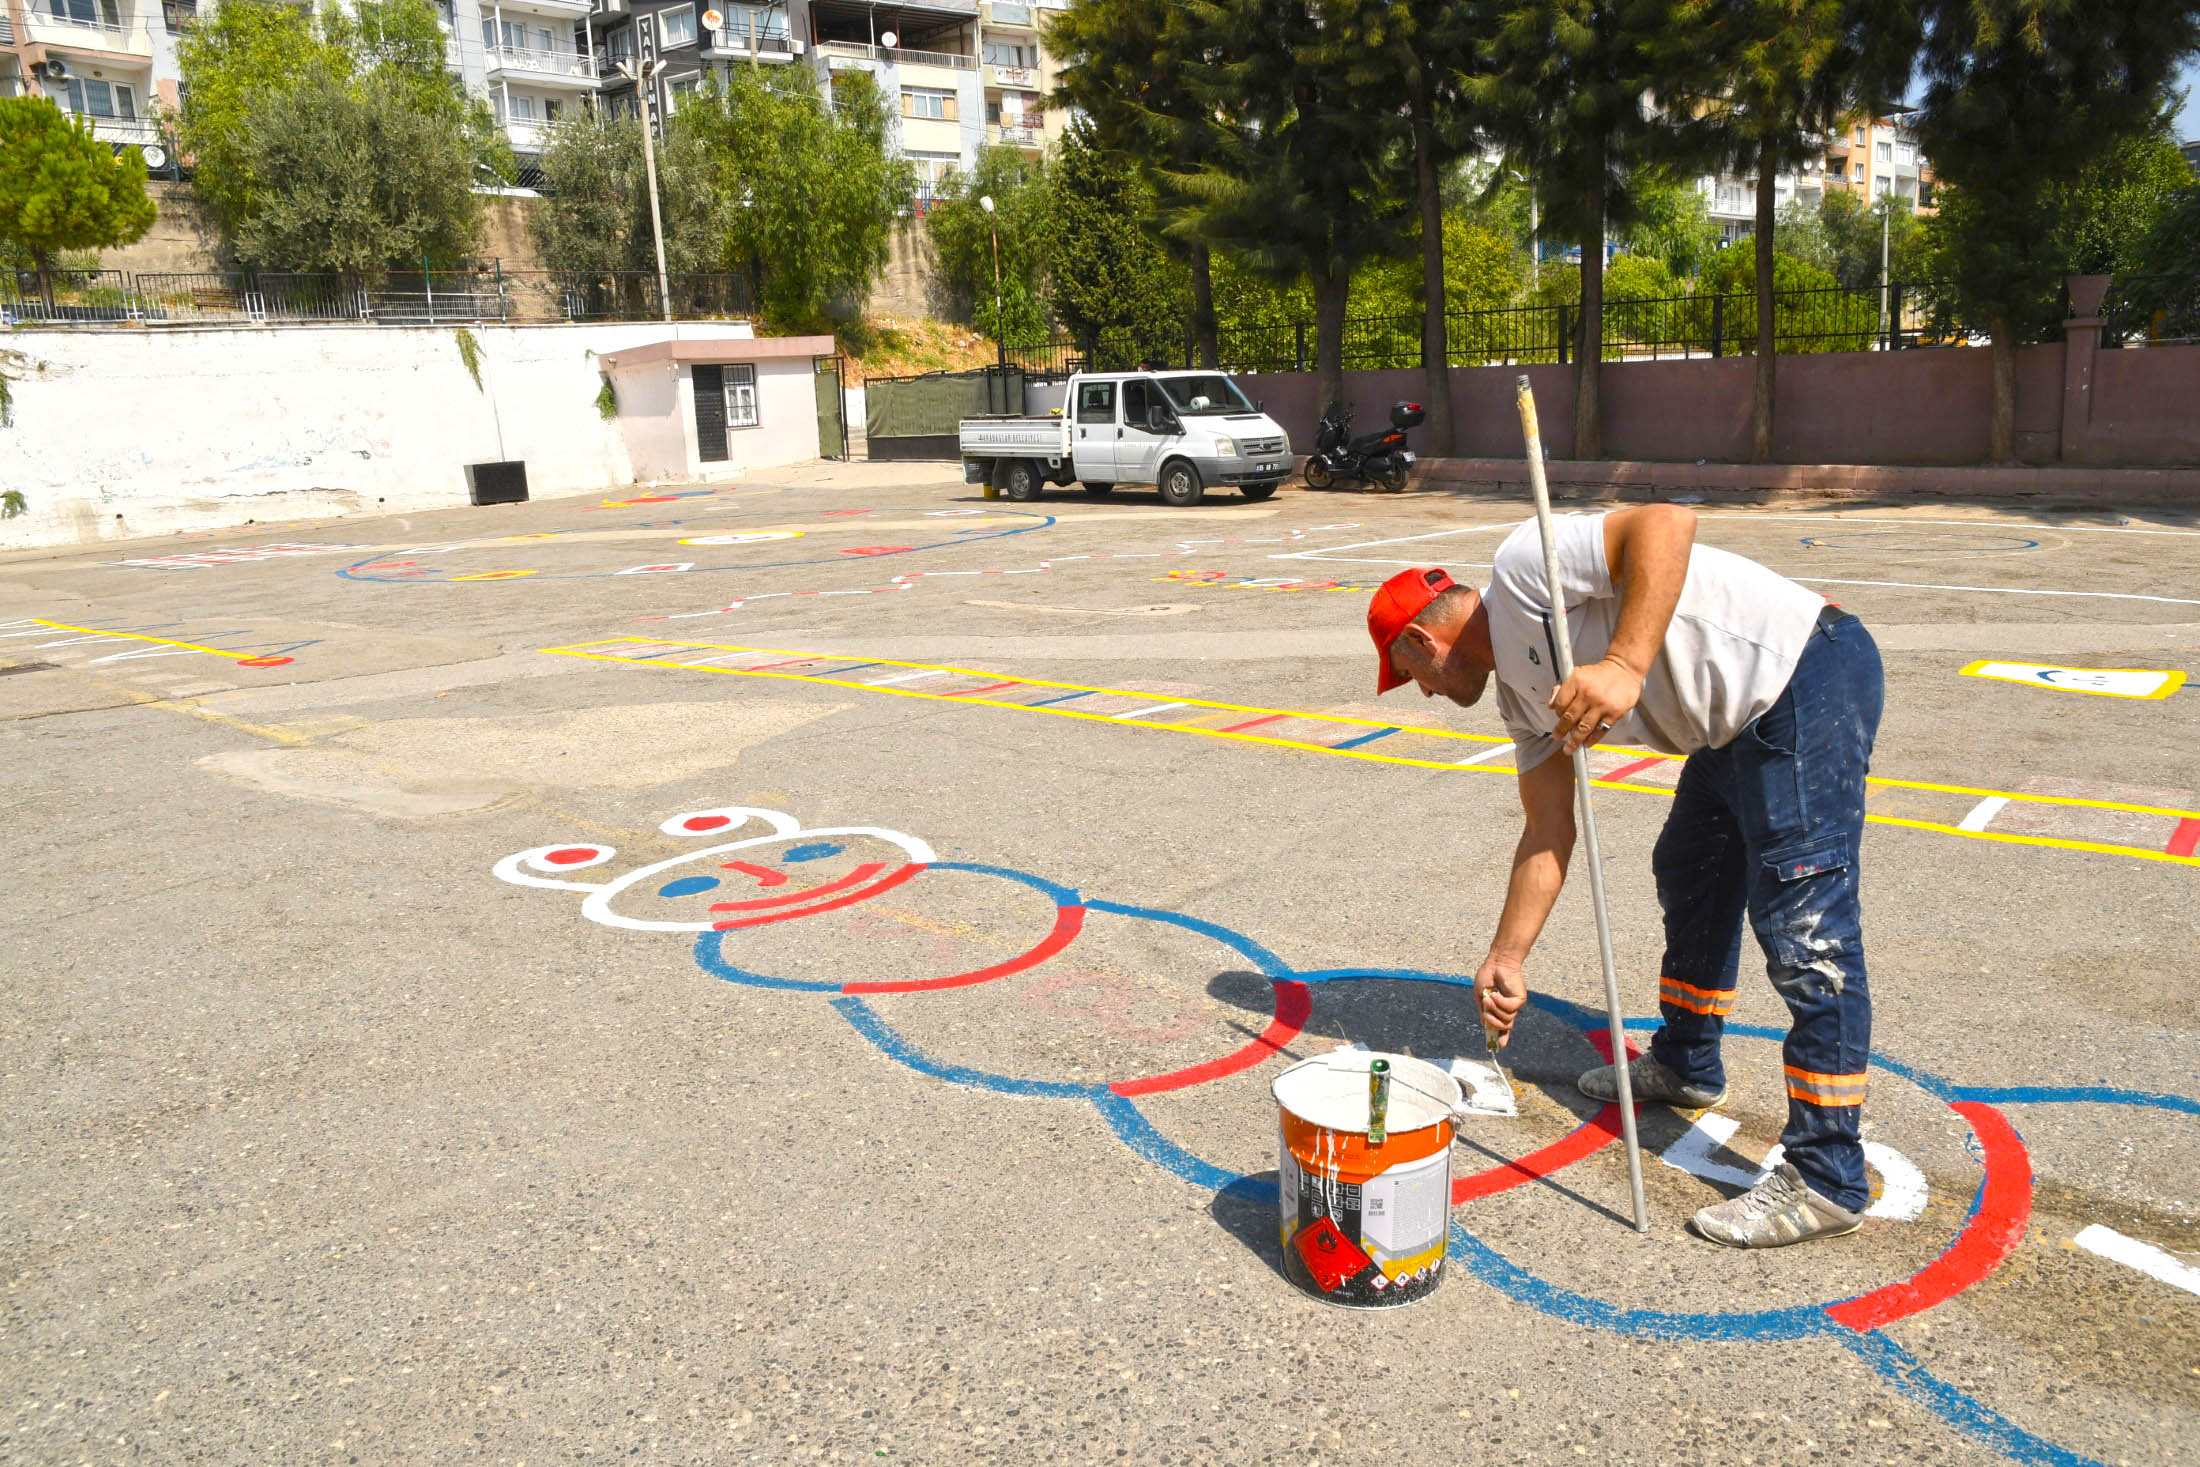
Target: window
{"points": [[932, 170], [1138, 402], [1906, 154], [1882, 185], [1883, 151], [928, 102], [99, 99], [1859, 175], [1205, 396], [676, 27], [1096, 403], [619, 45], [1009, 53], [88, 12], [741, 397], [523, 109], [683, 88]]}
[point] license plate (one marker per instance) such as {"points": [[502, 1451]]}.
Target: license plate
{"points": [[1269, 468], [1405, 458]]}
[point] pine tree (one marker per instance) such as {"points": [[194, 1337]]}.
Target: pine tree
{"points": [[63, 189], [1105, 273], [2022, 98], [1783, 73], [1569, 92]]}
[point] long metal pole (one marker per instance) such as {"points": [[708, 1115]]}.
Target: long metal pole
{"points": [[645, 79], [1562, 636]]}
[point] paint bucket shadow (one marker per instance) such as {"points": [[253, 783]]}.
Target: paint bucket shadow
{"points": [[1246, 1210]]}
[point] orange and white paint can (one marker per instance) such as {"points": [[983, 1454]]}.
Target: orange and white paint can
{"points": [[1365, 1223]]}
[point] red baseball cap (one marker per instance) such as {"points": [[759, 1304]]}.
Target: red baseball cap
{"points": [[1397, 601]]}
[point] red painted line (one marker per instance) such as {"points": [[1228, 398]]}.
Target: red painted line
{"points": [[1068, 922], [1992, 1234], [790, 662], [1253, 723], [988, 688], [860, 894], [1635, 768], [1294, 1002], [1591, 1136], [765, 876], [2185, 839], [861, 874]]}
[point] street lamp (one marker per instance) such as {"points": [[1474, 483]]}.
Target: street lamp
{"points": [[642, 78], [1000, 328], [1886, 216]]}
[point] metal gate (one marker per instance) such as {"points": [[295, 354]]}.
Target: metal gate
{"points": [[832, 410], [917, 417]]}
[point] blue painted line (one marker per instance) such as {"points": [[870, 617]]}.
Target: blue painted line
{"points": [[2061, 1094], [1060, 895], [1269, 964], [1050, 702], [894, 1047], [712, 961], [1135, 1131], [837, 671], [1902, 1370], [1410, 975], [1366, 738]]}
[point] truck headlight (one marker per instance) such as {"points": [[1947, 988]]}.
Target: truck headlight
{"points": [[1226, 447]]}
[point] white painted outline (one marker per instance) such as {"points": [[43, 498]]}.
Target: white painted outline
{"points": [[1902, 1188], [2131, 1253]]}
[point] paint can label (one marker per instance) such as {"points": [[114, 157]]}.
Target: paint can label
{"points": [[1369, 1243]]}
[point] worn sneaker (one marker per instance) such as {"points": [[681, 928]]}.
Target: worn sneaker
{"points": [[1652, 1081], [1779, 1210]]}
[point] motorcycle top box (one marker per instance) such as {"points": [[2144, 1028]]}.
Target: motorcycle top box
{"points": [[1406, 415]]}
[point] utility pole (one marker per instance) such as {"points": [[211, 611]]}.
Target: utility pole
{"points": [[644, 76]]}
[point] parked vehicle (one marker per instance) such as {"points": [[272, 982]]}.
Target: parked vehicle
{"points": [[1381, 459], [1182, 432]]}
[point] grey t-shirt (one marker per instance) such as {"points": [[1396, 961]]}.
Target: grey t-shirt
{"points": [[1726, 658]]}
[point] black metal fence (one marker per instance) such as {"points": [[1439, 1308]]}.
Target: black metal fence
{"points": [[1834, 318], [2151, 310], [399, 298]]}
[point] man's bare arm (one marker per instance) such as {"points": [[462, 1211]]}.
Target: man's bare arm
{"points": [[1647, 549], [1538, 872]]}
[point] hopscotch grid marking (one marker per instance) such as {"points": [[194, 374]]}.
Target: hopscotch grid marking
{"points": [[134, 637], [580, 650]]}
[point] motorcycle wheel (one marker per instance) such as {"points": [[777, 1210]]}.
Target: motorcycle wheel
{"points": [[1391, 474], [1318, 475]]}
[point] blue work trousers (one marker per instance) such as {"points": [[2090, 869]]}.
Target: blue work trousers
{"points": [[1770, 826]]}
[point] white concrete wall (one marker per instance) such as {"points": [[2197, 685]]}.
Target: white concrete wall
{"points": [[126, 433]]}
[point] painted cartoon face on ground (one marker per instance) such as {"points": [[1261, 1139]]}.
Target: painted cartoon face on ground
{"points": [[775, 873]]}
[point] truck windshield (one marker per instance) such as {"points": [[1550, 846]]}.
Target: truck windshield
{"points": [[1205, 394]]}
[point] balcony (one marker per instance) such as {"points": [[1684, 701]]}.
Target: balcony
{"points": [[729, 44], [543, 68], [130, 38], [1016, 78], [562, 9], [1004, 16], [526, 134], [1017, 135], [855, 52]]}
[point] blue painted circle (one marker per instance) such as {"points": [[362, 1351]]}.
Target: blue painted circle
{"points": [[687, 886]]}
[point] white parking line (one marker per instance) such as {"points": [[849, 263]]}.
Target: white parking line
{"points": [[2145, 1257], [1142, 712], [1495, 751], [907, 677]]}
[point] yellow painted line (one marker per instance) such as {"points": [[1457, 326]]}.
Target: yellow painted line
{"points": [[586, 650], [62, 626]]}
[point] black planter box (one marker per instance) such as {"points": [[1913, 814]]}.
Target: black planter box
{"points": [[497, 483]]}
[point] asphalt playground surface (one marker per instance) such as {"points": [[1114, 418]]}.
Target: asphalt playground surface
{"points": [[385, 1080]]}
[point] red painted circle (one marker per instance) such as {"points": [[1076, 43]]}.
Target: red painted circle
{"points": [[571, 854], [705, 822], [262, 661]]}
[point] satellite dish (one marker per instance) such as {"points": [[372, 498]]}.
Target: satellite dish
{"points": [[889, 40], [712, 20], [56, 70], [154, 154]]}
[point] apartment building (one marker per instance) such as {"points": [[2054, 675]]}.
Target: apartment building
{"points": [[1878, 157], [957, 75], [1731, 198], [112, 62]]}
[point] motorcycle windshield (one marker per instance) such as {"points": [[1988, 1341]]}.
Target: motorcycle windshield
{"points": [[1205, 395]]}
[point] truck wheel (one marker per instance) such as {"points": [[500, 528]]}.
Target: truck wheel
{"points": [[1021, 480], [1096, 490], [1256, 492], [1180, 484]]}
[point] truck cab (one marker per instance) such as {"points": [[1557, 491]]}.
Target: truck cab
{"points": [[1181, 431]]}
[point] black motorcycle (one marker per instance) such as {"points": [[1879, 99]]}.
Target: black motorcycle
{"points": [[1378, 459]]}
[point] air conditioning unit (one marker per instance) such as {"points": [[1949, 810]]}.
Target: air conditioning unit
{"points": [[56, 69], [795, 47]]}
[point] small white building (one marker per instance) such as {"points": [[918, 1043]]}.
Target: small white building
{"points": [[711, 407]]}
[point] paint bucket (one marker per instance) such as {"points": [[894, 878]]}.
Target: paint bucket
{"points": [[1364, 1225]]}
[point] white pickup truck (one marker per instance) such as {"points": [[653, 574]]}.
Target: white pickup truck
{"points": [[1179, 431]]}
